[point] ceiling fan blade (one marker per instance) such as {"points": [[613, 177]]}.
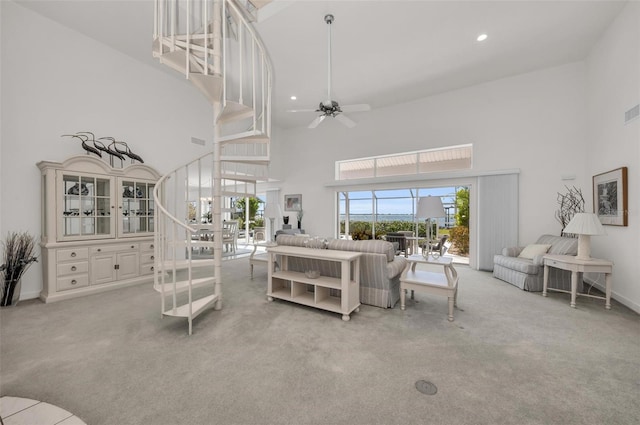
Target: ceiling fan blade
{"points": [[346, 121], [317, 121], [356, 108], [302, 110]]}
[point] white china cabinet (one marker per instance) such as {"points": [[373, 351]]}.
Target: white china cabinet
{"points": [[97, 226]]}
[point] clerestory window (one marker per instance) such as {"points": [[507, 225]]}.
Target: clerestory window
{"points": [[452, 158]]}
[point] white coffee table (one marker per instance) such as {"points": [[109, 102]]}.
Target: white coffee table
{"points": [[443, 283]]}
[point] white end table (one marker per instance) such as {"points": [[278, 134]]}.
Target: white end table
{"points": [[262, 258], [443, 283], [577, 268]]}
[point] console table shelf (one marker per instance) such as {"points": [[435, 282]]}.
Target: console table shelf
{"points": [[329, 282], [335, 294]]}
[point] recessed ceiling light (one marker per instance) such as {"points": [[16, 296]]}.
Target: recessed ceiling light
{"points": [[293, 98], [482, 37]]}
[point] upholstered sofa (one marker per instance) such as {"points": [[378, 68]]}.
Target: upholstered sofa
{"points": [[526, 271], [380, 268]]}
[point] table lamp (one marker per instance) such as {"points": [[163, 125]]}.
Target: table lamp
{"points": [[429, 207], [272, 211], [584, 225]]}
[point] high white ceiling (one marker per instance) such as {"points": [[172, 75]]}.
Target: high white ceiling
{"points": [[385, 52]]}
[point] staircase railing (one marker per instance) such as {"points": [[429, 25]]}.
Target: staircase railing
{"points": [[213, 43]]}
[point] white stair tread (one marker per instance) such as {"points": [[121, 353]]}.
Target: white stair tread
{"points": [[175, 60], [197, 307], [183, 285], [210, 85], [253, 136], [247, 160], [234, 111]]}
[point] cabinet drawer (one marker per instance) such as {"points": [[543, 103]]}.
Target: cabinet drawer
{"points": [[114, 248], [146, 246], [73, 254], [146, 257], [146, 269], [73, 282], [73, 268]]}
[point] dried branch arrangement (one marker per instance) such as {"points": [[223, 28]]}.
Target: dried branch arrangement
{"points": [[18, 256], [570, 203]]}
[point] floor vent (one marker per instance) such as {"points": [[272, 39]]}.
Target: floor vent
{"points": [[632, 113], [426, 387]]}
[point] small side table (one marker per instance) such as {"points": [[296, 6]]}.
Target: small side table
{"points": [[439, 283], [577, 268], [262, 258]]}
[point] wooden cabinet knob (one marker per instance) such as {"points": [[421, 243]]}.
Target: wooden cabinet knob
{"points": [[73, 282], [73, 268], [153, 258], [73, 254]]}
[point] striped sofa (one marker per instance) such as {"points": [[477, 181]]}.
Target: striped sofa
{"points": [[527, 274], [380, 269]]}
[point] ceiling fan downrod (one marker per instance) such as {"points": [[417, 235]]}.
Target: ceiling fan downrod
{"points": [[329, 20]]}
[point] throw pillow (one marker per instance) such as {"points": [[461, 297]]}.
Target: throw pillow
{"points": [[532, 250]]}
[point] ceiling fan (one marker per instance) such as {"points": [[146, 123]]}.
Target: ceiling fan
{"points": [[331, 108]]}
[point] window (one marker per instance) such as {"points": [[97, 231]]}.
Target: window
{"points": [[450, 158], [369, 214]]}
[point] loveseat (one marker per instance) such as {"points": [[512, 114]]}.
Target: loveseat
{"points": [[380, 268], [524, 268]]}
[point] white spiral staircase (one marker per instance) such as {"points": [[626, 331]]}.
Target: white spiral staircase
{"points": [[214, 44]]}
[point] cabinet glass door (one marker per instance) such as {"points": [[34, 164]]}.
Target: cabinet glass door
{"points": [[137, 207], [86, 206]]}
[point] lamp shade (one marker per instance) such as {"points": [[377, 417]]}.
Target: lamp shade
{"points": [[272, 211], [430, 207], [585, 224]]}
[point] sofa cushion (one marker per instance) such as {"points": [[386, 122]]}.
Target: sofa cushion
{"points": [[532, 250], [373, 246], [291, 240], [523, 265], [559, 245]]}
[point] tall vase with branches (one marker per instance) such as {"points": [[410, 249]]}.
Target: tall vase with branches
{"points": [[18, 256]]}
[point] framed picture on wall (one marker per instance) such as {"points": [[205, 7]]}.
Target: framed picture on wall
{"points": [[610, 197], [293, 202]]}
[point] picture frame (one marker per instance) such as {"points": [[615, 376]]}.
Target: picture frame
{"points": [[293, 202], [610, 201]]}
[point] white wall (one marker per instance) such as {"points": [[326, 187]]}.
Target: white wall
{"points": [[532, 122], [613, 88], [57, 81], [550, 123]]}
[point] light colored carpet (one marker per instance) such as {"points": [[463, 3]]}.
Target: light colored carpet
{"points": [[510, 357]]}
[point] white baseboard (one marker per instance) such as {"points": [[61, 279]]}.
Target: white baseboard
{"points": [[619, 298], [29, 295]]}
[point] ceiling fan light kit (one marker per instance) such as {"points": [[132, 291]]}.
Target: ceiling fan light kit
{"points": [[329, 107]]}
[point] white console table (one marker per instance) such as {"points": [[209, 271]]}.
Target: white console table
{"points": [[294, 286], [577, 268]]}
